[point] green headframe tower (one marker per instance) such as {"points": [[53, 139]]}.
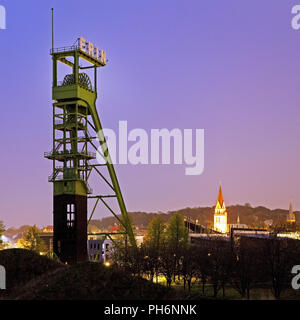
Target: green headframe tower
{"points": [[74, 116]]}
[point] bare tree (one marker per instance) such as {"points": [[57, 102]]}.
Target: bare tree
{"points": [[203, 265], [219, 262], [247, 264], [280, 256], [188, 266], [167, 262]]}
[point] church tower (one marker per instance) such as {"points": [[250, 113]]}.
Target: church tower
{"points": [[291, 216], [220, 216]]}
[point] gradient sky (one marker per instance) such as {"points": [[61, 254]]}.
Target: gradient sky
{"points": [[230, 67]]}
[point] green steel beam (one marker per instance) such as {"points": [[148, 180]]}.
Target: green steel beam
{"points": [[75, 94], [113, 213], [112, 173], [93, 211], [66, 62], [102, 176]]}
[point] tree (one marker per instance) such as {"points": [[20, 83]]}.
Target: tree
{"points": [[151, 262], [280, 255], [203, 261], [121, 246], [219, 264], [188, 265], [168, 264], [248, 268], [156, 233], [177, 239], [177, 234], [154, 240], [32, 240], [2, 230]]}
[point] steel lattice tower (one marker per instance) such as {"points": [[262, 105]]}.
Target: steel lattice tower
{"points": [[74, 111]]}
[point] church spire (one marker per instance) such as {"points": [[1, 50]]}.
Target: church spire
{"points": [[291, 216], [220, 197], [220, 216]]}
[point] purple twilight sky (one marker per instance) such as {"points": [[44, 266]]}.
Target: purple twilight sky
{"points": [[229, 67]]}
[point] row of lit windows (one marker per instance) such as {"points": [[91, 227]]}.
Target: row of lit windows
{"points": [[70, 215], [97, 246]]}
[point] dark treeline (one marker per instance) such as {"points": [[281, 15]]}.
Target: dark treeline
{"points": [[243, 264]]}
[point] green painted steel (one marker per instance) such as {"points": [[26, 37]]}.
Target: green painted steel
{"points": [[113, 175], [75, 97]]}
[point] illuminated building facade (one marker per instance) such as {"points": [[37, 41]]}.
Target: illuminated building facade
{"points": [[220, 216], [291, 216]]}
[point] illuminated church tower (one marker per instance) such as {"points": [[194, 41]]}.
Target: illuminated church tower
{"points": [[291, 216], [220, 216]]}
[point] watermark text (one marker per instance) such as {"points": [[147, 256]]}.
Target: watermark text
{"points": [[164, 146], [2, 278], [296, 18], [296, 278], [2, 18]]}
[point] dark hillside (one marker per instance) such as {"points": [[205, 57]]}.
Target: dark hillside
{"points": [[34, 277], [248, 215]]}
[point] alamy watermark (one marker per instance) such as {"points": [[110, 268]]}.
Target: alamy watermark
{"points": [[2, 18], [295, 22], [162, 147], [2, 278], [296, 278]]}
